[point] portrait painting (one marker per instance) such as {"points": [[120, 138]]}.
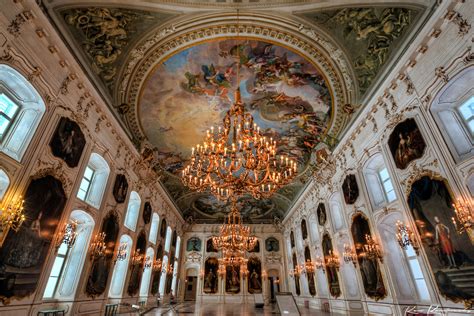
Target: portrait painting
{"points": [[331, 272], [210, 246], [292, 239], [68, 142], [256, 248], [254, 282], [137, 270], [155, 283], [406, 143], [163, 228], [232, 279], [147, 210], [350, 189], [449, 253], [272, 244], [24, 252], [120, 188], [309, 275], [210, 276], [321, 212], [296, 277], [370, 269], [193, 244], [99, 273]]}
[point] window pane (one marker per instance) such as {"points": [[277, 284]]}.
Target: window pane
{"points": [[7, 106], [415, 268], [391, 196], [58, 264], [422, 289], [410, 252], [62, 249], [84, 185], [387, 185], [471, 125], [49, 290], [88, 173], [81, 194], [384, 174], [467, 109], [4, 122]]}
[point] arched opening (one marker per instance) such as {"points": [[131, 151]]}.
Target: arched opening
{"points": [[120, 269], [21, 109], [67, 266], [133, 210], [163, 275], [331, 272], [137, 265], [309, 274], [146, 277], [94, 181], [155, 221], [292, 239], [191, 284], [336, 211], [254, 267], [169, 233], [304, 229], [4, 183], [211, 281], [296, 277], [379, 183]]}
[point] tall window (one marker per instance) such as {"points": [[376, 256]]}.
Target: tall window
{"points": [[164, 266], [133, 210], [120, 269], [21, 109], [466, 110], [4, 183], [417, 274], [155, 221], [168, 239], [67, 266], [146, 276], [94, 181], [387, 185], [8, 112], [85, 183]]}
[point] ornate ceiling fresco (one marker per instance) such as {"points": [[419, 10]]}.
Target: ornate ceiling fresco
{"points": [[168, 76]]}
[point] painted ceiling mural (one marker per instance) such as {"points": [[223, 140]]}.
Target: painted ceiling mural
{"points": [[369, 34], [192, 90]]}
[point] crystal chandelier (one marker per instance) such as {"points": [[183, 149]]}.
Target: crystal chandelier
{"points": [[310, 266], [13, 216], [233, 236], [296, 271], [237, 159], [464, 216], [349, 255], [98, 247], [137, 258], [68, 235], [244, 272], [406, 237], [122, 252], [170, 269], [372, 249], [332, 260], [156, 265], [233, 258]]}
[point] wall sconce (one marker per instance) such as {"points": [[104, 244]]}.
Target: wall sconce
{"points": [[276, 281], [463, 215], [98, 247], [68, 235], [406, 237], [156, 265], [319, 263], [332, 260], [349, 255], [309, 266], [243, 271], [148, 263], [372, 249], [122, 252], [137, 258], [296, 271], [264, 274], [12, 216], [170, 269], [201, 274]]}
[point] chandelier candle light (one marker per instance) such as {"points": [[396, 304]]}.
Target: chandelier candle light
{"points": [[406, 237], [332, 260], [98, 247], [13, 216], [463, 215], [349, 255], [372, 249], [68, 235], [137, 258], [156, 265], [122, 252]]}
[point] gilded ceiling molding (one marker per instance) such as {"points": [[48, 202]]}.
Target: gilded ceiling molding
{"points": [[176, 37]]}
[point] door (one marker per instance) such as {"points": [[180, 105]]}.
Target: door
{"points": [[191, 286]]}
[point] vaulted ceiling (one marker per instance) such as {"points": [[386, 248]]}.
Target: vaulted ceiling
{"points": [[167, 70]]}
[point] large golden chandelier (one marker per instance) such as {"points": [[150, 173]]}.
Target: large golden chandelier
{"points": [[236, 159]]}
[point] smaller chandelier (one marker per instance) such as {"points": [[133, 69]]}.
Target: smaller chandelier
{"points": [[332, 260], [122, 252], [463, 215], [296, 271], [170, 269], [156, 265], [137, 258], [319, 263], [201, 274], [264, 274], [372, 249], [148, 263], [98, 247], [406, 237], [232, 258], [349, 255], [13, 216], [68, 235], [310, 266]]}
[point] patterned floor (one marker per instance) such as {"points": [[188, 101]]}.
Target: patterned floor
{"points": [[213, 309]]}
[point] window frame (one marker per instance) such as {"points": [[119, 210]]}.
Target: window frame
{"points": [[87, 192], [465, 122], [409, 259], [13, 119], [382, 184], [65, 258]]}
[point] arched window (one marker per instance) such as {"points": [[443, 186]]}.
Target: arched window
{"points": [[67, 266], [146, 277], [163, 275], [120, 269], [336, 211], [378, 182], [94, 181], [133, 210], [304, 229], [168, 239], [178, 246], [4, 183], [175, 277], [453, 110], [292, 239], [21, 109], [155, 221]]}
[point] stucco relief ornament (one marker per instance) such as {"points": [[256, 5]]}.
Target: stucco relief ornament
{"points": [[273, 257], [194, 256]]}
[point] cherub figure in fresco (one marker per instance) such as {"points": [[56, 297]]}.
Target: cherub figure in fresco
{"points": [[192, 85]]}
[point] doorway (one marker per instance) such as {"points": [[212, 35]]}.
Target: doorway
{"points": [[191, 286]]}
